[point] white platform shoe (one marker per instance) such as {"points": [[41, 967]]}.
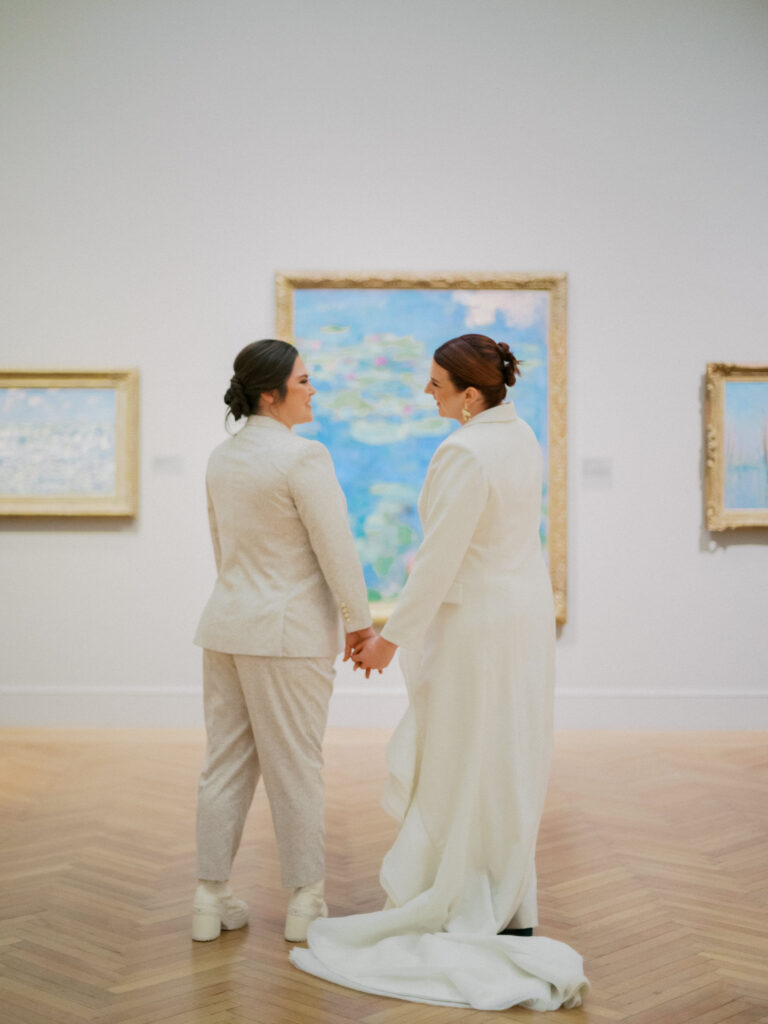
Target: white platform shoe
{"points": [[306, 904], [215, 908]]}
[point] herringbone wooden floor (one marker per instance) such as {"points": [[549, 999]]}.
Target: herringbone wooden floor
{"points": [[653, 863]]}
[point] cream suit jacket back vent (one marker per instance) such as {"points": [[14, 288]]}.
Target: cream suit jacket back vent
{"points": [[289, 580]]}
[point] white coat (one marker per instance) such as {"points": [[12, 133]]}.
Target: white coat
{"points": [[469, 761], [289, 580]]}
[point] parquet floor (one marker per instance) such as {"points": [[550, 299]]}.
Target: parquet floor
{"points": [[653, 863]]}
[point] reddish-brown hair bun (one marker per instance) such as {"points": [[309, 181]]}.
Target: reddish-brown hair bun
{"points": [[477, 361]]}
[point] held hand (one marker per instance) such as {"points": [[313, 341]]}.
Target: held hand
{"points": [[374, 654], [359, 652], [353, 641]]}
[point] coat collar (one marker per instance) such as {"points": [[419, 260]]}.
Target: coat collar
{"points": [[264, 423], [497, 414]]}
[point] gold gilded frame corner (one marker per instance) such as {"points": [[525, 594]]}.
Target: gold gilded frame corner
{"points": [[557, 285], [125, 500], [719, 517]]}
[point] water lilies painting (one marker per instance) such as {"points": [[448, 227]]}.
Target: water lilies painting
{"points": [[68, 442], [368, 343], [737, 446]]}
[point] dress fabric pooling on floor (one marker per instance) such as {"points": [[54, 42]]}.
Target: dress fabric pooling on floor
{"points": [[468, 763]]}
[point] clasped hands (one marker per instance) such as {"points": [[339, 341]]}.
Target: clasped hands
{"points": [[368, 651]]}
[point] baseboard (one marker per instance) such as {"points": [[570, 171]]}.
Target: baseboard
{"points": [[369, 706], [674, 710]]}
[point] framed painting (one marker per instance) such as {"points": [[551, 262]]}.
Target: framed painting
{"points": [[69, 442], [368, 342], [736, 410]]}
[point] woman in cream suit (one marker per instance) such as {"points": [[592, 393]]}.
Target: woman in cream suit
{"points": [[469, 761], [288, 576]]}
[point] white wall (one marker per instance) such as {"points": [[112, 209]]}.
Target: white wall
{"points": [[162, 158]]}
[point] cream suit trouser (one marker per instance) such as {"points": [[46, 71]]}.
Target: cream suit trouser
{"points": [[264, 716]]}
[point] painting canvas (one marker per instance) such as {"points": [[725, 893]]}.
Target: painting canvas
{"points": [[737, 446], [68, 442], [368, 345], [746, 444]]}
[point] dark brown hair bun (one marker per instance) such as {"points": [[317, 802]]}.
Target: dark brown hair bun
{"points": [[236, 399], [510, 367]]}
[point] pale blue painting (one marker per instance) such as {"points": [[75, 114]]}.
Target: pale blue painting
{"points": [[746, 444], [369, 351], [57, 441]]}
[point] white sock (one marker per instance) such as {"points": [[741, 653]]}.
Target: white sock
{"points": [[214, 888]]}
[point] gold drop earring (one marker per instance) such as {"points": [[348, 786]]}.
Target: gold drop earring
{"points": [[466, 415]]}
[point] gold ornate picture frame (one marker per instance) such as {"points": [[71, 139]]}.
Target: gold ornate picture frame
{"points": [[69, 442], [736, 412], [368, 340]]}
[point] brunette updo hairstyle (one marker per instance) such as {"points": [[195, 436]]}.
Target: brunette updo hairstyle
{"points": [[476, 361], [259, 367]]}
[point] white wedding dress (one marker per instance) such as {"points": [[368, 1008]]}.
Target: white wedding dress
{"points": [[468, 763]]}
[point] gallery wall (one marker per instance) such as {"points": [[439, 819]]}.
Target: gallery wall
{"points": [[163, 158]]}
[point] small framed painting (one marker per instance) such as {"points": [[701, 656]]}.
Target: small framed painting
{"points": [[368, 342], [69, 442], [737, 446]]}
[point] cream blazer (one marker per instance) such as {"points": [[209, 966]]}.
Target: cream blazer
{"points": [[289, 581], [480, 508]]}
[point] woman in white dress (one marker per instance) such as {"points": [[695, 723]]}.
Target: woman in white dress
{"points": [[469, 762]]}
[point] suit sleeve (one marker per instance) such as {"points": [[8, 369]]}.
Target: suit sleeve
{"points": [[322, 507], [456, 493], [214, 530]]}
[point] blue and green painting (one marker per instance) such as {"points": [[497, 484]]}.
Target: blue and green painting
{"points": [[57, 441], [368, 351], [746, 444]]}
